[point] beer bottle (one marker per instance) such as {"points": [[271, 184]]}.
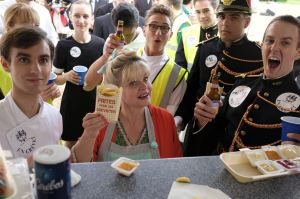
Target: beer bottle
{"points": [[213, 91], [119, 34]]}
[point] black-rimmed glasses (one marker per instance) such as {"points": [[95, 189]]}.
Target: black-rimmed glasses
{"points": [[164, 29]]}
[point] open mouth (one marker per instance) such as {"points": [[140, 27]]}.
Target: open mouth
{"points": [[273, 62], [144, 96]]}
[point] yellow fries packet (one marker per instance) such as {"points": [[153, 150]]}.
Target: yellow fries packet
{"points": [[108, 101]]}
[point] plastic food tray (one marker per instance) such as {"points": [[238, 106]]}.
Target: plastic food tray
{"points": [[238, 165]]}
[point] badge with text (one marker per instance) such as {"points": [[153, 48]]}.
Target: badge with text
{"points": [[108, 101], [238, 95], [287, 102], [75, 51], [211, 60]]}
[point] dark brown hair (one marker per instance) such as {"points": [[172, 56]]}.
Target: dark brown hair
{"points": [[23, 37]]}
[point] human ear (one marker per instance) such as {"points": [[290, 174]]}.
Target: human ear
{"points": [[297, 54], [5, 64], [247, 22]]}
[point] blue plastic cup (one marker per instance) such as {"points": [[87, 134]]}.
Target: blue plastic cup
{"points": [[52, 78], [289, 125], [81, 71]]}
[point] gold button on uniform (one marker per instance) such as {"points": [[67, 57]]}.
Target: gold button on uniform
{"points": [[223, 59], [256, 106], [243, 133], [266, 94]]}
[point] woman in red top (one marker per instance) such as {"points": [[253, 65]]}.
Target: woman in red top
{"points": [[143, 131]]}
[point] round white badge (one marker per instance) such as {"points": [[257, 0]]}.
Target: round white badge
{"points": [[211, 60], [191, 41], [288, 102], [238, 95], [75, 51]]}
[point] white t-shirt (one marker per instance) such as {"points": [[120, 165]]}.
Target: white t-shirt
{"points": [[22, 135], [155, 64]]}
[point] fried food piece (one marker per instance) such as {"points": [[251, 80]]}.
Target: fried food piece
{"points": [[108, 92], [183, 179]]}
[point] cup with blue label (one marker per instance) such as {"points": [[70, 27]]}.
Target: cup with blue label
{"points": [[81, 71], [52, 78], [289, 124]]}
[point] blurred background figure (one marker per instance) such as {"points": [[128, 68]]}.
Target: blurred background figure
{"points": [[180, 21], [58, 12], [191, 36], [44, 14], [143, 6], [104, 25]]}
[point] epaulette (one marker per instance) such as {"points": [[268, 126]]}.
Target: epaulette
{"points": [[244, 75], [205, 41], [258, 44]]}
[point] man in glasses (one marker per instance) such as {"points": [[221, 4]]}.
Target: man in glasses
{"points": [[168, 78], [229, 55]]}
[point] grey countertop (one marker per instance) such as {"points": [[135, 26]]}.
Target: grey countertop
{"points": [[154, 178]]}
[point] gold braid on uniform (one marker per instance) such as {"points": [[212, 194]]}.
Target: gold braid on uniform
{"points": [[242, 60], [278, 107], [230, 72], [237, 139]]}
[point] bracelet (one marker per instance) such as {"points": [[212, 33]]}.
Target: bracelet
{"points": [[73, 154]]}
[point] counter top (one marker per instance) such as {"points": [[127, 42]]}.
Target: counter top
{"points": [[154, 178]]}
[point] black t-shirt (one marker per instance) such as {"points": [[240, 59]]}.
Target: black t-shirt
{"points": [[76, 102]]}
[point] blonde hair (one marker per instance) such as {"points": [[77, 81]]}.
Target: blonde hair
{"points": [[126, 66], [20, 13]]}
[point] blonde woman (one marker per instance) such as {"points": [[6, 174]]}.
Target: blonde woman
{"points": [[143, 131]]}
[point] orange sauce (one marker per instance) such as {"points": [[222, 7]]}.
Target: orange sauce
{"points": [[126, 166], [272, 155]]}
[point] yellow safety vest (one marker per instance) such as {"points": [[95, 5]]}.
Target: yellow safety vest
{"points": [[5, 81], [190, 39], [172, 44], [166, 81]]}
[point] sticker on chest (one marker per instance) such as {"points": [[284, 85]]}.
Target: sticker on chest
{"points": [[238, 95], [287, 102], [75, 51], [211, 60]]}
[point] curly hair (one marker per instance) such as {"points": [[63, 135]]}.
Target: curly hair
{"points": [[159, 9]]}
